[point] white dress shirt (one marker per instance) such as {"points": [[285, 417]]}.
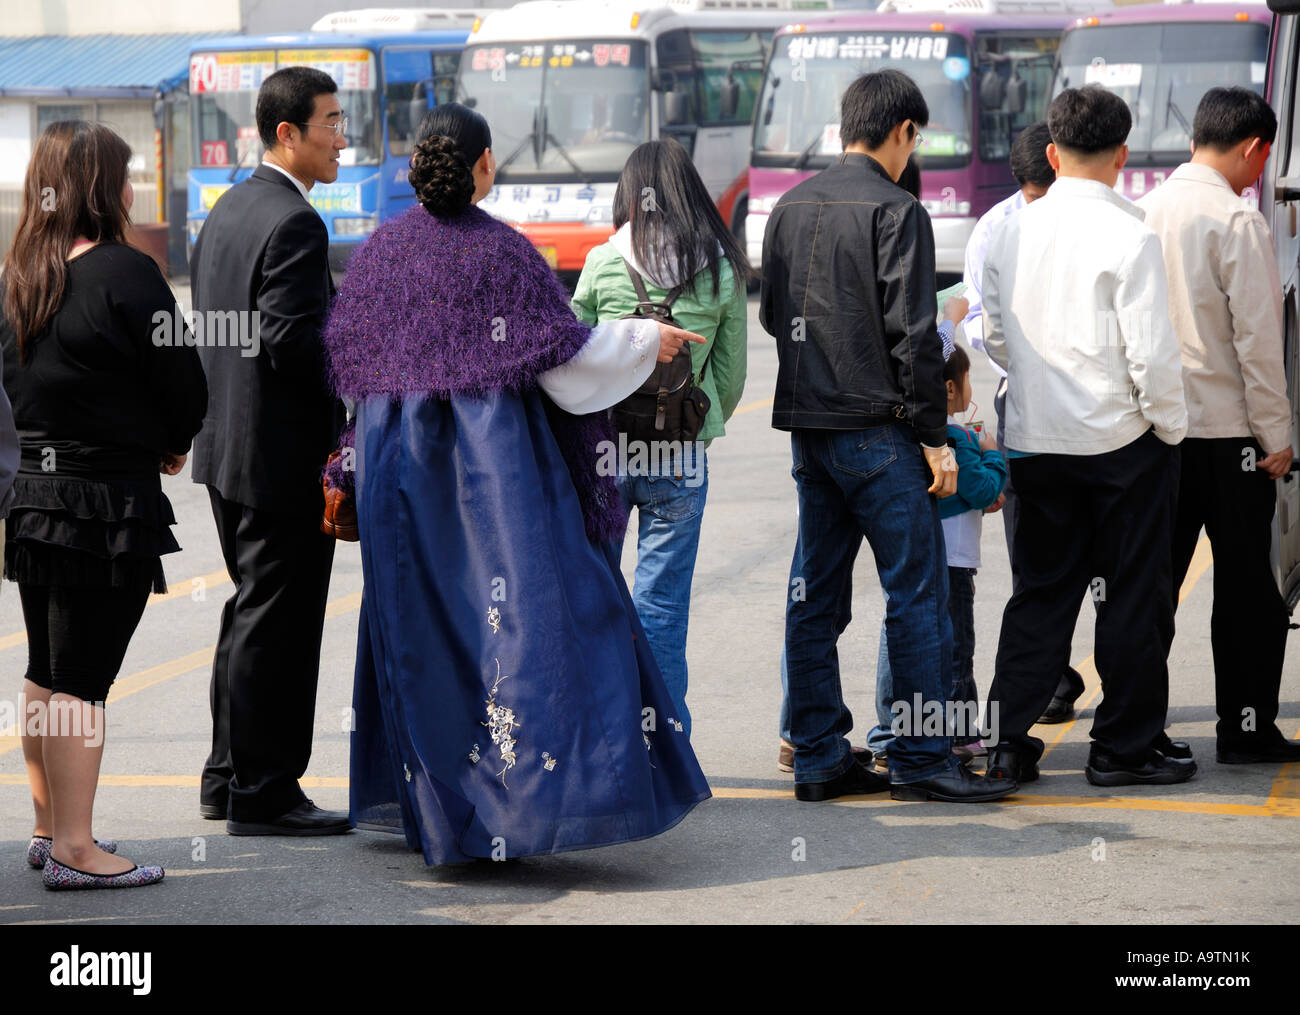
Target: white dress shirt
{"points": [[1076, 310], [1225, 299], [977, 248], [293, 179]]}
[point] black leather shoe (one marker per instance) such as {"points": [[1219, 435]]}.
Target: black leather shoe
{"points": [[1153, 769], [305, 819], [1274, 750], [858, 778], [1179, 750], [956, 786], [1068, 690], [213, 812], [1008, 763]]}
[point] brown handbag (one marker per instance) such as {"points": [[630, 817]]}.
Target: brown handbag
{"points": [[340, 520]]}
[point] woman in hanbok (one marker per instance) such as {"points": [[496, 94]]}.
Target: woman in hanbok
{"points": [[506, 702]]}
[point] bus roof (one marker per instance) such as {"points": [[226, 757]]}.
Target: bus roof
{"points": [[994, 6], [632, 19], [1179, 12], [396, 19], [963, 24], [331, 40]]}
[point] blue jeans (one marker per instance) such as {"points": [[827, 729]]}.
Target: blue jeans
{"points": [[853, 483], [961, 611], [670, 509]]}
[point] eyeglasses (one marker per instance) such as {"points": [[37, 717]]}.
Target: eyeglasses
{"points": [[339, 126]]}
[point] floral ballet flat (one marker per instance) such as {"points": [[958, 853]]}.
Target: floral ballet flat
{"points": [[38, 850], [59, 877]]}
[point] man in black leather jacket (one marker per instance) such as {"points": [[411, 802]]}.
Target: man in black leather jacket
{"points": [[848, 293]]}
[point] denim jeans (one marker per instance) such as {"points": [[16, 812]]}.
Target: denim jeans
{"points": [[961, 611], [670, 508], [854, 483]]}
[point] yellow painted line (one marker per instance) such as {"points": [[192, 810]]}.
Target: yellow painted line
{"points": [[1200, 563], [177, 781], [1283, 800], [762, 403], [84, 919], [178, 591]]}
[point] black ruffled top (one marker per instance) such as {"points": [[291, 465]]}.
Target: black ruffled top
{"points": [[104, 394]]}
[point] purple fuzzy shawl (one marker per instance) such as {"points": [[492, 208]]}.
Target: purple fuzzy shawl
{"points": [[464, 305]]}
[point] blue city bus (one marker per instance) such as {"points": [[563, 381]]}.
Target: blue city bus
{"points": [[387, 80]]}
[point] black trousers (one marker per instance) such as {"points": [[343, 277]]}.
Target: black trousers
{"points": [[1249, 619], [1099, 524], [267, 662]]}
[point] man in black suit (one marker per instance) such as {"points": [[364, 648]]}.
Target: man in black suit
{"points": [[271, 422]]}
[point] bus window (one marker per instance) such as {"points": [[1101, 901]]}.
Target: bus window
{"points": [[410, 75], [678, 74], [1013, 80], [722, 54]]}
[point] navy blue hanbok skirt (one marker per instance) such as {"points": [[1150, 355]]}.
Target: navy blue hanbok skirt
{"points": [[506, 702]]}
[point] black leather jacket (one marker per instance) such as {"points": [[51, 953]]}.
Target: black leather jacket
{"points": [[848, 293]]}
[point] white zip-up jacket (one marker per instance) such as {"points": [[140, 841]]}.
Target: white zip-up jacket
{"points": [[1076, 310]]}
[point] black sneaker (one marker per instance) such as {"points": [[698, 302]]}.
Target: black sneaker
{"points": [[1153, 769], [1008, 763], [857, 778]]}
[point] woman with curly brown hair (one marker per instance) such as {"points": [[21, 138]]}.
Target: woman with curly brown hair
{"points": [[101, 409]]}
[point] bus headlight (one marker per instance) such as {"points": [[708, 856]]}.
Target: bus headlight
{"points": [[354, 226]]}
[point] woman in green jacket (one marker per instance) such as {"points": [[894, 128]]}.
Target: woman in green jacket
{"points": [[669, 231]]}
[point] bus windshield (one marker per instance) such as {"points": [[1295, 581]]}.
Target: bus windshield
{"points": [[798, 123], [224, 87], [1162, 71], [563, 111]]}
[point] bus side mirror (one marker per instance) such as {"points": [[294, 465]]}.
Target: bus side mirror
{"points": [[730, 98], [1017, 88], [992, 90], [676, 107]]}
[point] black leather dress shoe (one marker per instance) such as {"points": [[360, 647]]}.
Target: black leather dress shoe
{"points": [[857, 778], [1153, 769], [213, 812], [1008, 763], [1068, 690], [305, 819], [1272, 750], [1179, 750], [958, 785]]}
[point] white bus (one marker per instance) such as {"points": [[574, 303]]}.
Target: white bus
{"points": [[570, 88]]}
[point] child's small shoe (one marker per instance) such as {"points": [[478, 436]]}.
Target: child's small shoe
{"points": [[61, 878], [967, 753], [38, 850]]}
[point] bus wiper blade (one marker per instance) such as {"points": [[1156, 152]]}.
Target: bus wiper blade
{"points": [[806, 154], [523, 143], [582, 173]]}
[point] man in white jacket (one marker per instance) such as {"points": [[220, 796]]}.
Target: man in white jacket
{"points": [[1225, 298], [1076, 311]]}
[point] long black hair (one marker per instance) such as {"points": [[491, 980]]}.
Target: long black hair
{"points": [[676, 225]]}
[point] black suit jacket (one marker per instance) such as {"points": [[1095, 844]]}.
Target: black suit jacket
{"points": [[271, 419]]}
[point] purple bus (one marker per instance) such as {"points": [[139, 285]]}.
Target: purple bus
{"points": [[985, 78], [1162, 58]]}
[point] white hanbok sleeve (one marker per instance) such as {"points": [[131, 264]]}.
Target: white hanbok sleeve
{"points": [[614, 362]]}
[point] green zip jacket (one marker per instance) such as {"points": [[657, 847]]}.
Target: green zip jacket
{"points": [[605, 293]]}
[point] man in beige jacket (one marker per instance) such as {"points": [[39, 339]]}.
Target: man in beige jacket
{"points": [[1225, 300]]}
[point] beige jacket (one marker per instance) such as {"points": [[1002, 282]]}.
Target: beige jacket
{"points": [[1225, 300]]}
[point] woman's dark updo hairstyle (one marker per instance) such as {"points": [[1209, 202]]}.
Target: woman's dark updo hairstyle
{"points": [[451, 138]]}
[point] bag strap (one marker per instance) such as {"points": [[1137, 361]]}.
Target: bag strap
{"points": [[639, 285]]}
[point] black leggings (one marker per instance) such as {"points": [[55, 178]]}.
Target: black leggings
{"points": [[76, 637]]}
